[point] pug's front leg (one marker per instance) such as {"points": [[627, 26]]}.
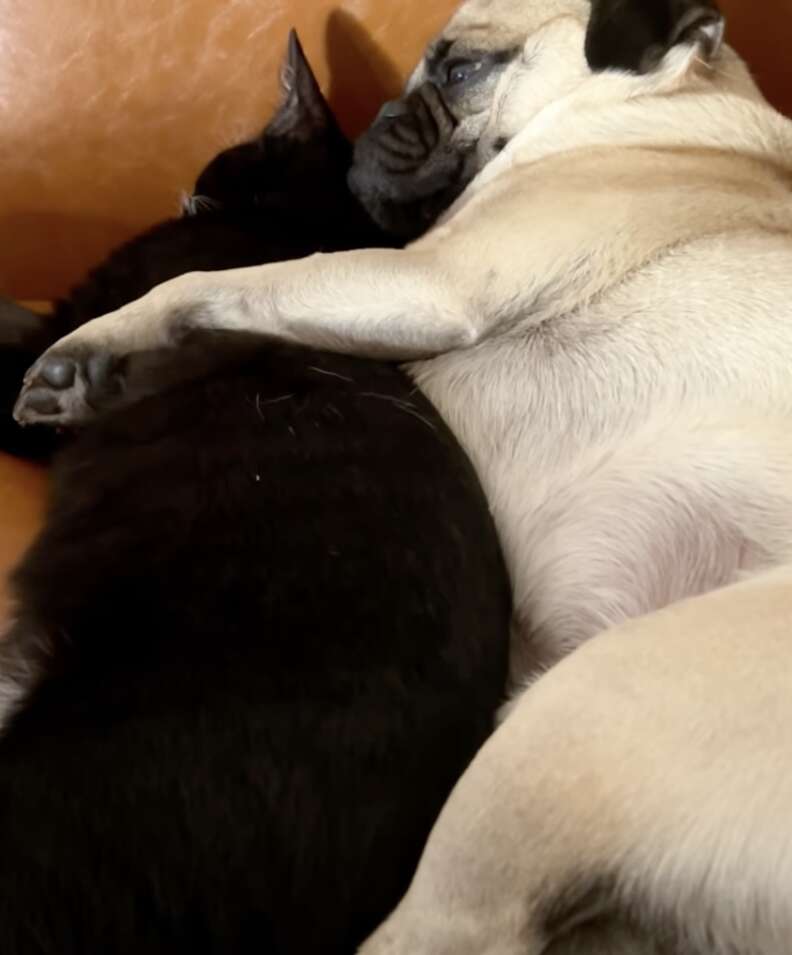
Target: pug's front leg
{"points": [[379, 303]]}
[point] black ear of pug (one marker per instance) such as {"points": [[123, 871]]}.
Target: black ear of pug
{"points": [[635, 35], [303, 111]]}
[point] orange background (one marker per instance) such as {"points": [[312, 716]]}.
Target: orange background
{"points": [[108, 109]]}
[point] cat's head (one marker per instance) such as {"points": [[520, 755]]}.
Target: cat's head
{"points": [[300, 158]]}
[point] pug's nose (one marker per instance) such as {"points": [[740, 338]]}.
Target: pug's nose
{"points": [[393, 109]]}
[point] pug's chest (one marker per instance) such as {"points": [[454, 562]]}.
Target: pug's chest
{"points": [[603, 429], [535, 402], [529, 406]]}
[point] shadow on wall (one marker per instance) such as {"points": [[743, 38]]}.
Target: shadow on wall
{"points": [[362, 74], [761, 31]]}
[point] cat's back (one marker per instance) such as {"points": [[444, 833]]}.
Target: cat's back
{"points": [[286, 620], [327, 476]]}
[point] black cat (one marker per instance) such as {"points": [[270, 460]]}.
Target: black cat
{"points": [[265, 200], [265, 626]]}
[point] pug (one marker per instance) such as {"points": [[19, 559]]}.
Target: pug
{"points": [[601, 312]]}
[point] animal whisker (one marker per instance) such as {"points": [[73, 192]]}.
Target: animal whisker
{"points": [[331, 374], [404, 406], [269, 401]]}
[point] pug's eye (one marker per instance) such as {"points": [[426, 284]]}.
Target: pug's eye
{"points": [[460, 71]]}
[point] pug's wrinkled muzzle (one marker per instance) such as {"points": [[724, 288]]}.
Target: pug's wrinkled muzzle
{"points": [[407, 150], [407, 168]]}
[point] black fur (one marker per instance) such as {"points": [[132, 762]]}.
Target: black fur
{"points": [[405, 172], [269, 618], [635, 35], [23, 336]]}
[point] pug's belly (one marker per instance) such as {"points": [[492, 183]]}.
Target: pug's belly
{"points": [[628, 464], [621, 528]]}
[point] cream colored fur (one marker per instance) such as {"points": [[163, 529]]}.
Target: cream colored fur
{"points": [[656, 757]]}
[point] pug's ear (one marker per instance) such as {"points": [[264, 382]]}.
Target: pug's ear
{"points": [[303, 112], [635, 35]]}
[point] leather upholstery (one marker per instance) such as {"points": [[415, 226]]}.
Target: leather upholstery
{"points": [[108, 108]]}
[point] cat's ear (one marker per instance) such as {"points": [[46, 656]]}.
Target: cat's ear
{"points": [[635, 35], [303, 112]]}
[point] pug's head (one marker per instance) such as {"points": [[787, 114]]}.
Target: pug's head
{"points": [[495, 68]]}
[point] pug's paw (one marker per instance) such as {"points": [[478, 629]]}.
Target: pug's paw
{"points": [[68, 385]]}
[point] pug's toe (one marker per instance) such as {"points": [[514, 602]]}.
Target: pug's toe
{"points": [[68, 388], [58, 372]]}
